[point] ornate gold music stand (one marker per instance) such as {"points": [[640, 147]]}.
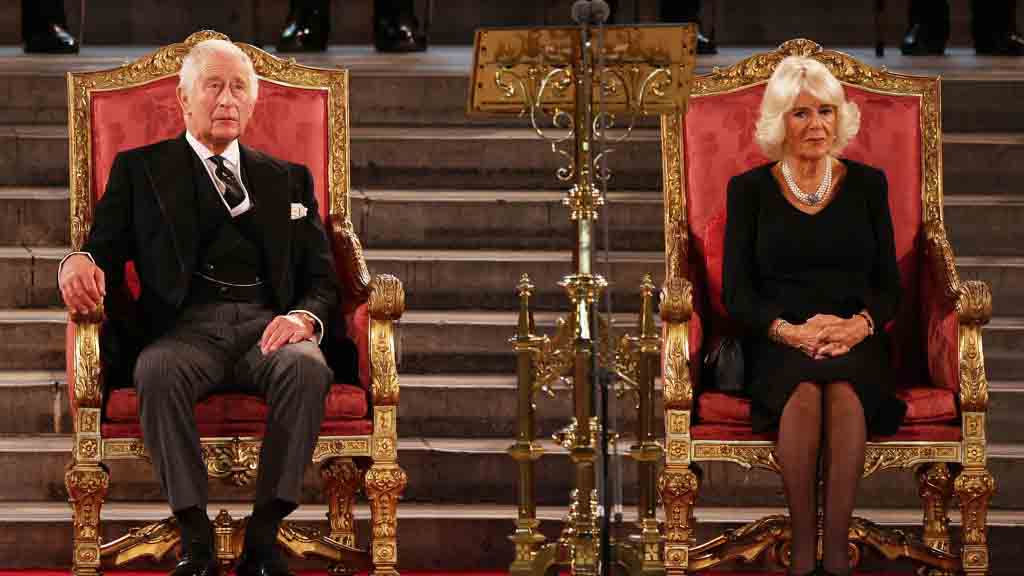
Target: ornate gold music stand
{"points": [[579, 80]]}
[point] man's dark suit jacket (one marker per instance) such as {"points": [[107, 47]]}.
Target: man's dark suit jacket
{"points": [[148, 215]]}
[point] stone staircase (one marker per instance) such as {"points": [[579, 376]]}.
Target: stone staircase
{"points": [[458, 208]]}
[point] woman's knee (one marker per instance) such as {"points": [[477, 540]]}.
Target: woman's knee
{"points": [[806, 398]]}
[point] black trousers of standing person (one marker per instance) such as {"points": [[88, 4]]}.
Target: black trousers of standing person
{"points": [[678, 11], [44, 27], [213, 348], [993, 27]]}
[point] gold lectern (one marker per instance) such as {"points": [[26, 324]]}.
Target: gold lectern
{"points": [[579, 79]]}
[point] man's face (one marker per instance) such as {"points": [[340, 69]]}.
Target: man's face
{"points": [[219, 103]]}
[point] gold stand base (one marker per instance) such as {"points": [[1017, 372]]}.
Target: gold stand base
{"points": [[157, 539]]}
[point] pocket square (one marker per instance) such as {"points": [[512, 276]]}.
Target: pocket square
{"points": [[298, 211]]}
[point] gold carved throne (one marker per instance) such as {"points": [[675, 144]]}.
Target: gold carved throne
{"points": [[302, 116], [937, 351]]}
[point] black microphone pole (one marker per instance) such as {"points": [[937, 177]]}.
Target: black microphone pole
{"points": [[588, 13]]}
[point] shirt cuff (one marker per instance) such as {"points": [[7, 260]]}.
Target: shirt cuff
{"points": [[69, 255], [319, 331]]}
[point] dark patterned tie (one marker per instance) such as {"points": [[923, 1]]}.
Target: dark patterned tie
{"points": [[232, 189]]}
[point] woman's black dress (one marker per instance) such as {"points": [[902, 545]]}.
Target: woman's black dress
{"points": [[781, 262]]}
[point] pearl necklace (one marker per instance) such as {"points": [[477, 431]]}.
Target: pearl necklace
{"points": [[810, 199]]}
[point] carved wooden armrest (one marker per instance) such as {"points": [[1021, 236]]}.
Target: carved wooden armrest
{"points": [[386, 304], [87, 389], [676, 310], [348, 257], [972, 302]]}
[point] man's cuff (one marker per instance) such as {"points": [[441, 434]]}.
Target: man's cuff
{"points": [[320, 325], [69, 255]]}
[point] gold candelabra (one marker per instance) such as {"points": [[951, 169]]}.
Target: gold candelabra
{"points": [[573, 83]]}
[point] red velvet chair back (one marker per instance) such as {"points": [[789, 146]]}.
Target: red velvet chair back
{"points": [[717, 135]]}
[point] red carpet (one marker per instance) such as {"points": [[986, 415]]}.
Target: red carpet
{"points": [[155, 573]]}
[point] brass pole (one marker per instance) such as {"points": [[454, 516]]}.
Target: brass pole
{"points": [[647, 452], [524, 451]]}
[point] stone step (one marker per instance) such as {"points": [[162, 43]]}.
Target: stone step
{"points": [[430, 89], [507, 158], [437, 406], [446, 537], [530, 220], [487, 474], [482, 279], [439, 341]]}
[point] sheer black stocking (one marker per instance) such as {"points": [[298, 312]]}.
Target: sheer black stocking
{"points": [[845, 437], [797, 453]]}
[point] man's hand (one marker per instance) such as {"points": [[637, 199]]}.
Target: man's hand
{"points": [[285, 330], [82, 284]]}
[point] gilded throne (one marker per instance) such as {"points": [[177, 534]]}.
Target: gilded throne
{"points": [[936, 337], [135, 104]]}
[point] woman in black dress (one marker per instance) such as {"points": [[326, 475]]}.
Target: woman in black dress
{"points": [[810, 272]]}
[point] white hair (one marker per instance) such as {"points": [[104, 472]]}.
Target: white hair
{"points": [[195, 58], [796, 74]]}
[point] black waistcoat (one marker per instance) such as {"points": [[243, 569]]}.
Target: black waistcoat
{"points": [[229, 248]]}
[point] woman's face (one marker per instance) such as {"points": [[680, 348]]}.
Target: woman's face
{"points": [[810, 128]]}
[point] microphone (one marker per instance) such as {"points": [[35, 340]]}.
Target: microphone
{"points": [[590, 12]]}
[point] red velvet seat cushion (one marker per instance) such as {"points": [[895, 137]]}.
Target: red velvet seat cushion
{"points": [[344, 402], [906, 433], [924, 406], [362, 427]]}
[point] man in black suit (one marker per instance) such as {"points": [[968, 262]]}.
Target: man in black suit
{"points": [[395, 27], [44, 28], [677, 11], [236, 275], [993, 25]]}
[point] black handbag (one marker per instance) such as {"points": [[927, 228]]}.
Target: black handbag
{"points": [[723, 366]]}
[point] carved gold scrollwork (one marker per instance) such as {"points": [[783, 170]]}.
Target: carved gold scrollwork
{"points": [[153, 540], [384, 486], [974, 306], [387, 298], [974, 488], [936, 490], [973, 383], [747, 456], [678, 389], [87, 489], [384, 373], [678, 488], [236, 460], [88, 379], [342, 479]]}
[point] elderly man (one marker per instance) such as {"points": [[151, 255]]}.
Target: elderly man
{"points": [[236, 277]]}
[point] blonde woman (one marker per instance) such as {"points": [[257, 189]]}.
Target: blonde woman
{"points": [[810, 273]]}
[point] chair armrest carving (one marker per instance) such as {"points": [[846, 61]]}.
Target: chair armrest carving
{"points": [[386, 304], [348, 254], [676, 310], [942, 266], [87, 391], [974, 303]]}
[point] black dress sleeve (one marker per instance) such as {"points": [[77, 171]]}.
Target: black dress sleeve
{"points": [[739, 286], [883, 298]]}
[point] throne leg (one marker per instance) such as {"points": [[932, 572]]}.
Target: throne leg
{"points": [[678, 486], [342, 479], [935, 487], [384, 485], [974, 487], [87, 489]]}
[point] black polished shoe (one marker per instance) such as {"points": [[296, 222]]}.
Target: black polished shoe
{"points": [[306, 30], [53, 39], [1010, 45], [918, 42], [396, 28], [196, 564], [273, 565], [705, 45]]}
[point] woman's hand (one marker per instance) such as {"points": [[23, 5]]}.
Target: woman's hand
{"points": [[806, 337], [840, 337]]}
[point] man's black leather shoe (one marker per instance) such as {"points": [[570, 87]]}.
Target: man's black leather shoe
{"points": [[1011, 45], [54, 39], [705, 45], [192, 564], [306, 30], [919, 42], [396, 28], [274, 565]]}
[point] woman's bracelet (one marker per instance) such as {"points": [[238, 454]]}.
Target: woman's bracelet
{"points": [[775, 334], [867, 318]]}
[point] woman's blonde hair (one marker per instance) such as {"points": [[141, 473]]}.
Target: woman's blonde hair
{"points": [[796, 74]]}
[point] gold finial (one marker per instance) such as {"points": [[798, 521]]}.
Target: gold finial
{"points": [[525, 287]]}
